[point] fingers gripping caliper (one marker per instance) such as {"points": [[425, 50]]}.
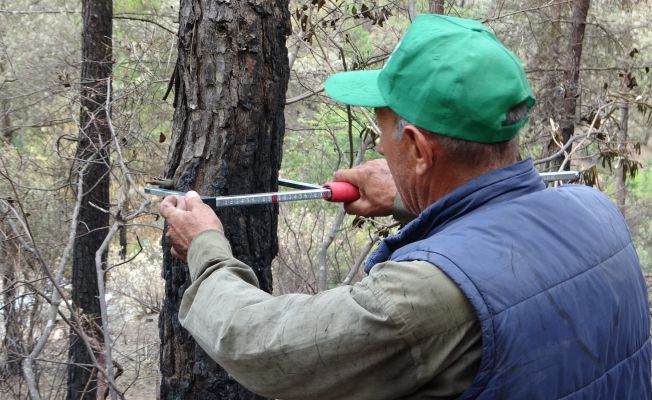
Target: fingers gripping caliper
{"points": [[337, 192]]}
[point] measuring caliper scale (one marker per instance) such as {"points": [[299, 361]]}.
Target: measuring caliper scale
{"points": [[336, 192]]}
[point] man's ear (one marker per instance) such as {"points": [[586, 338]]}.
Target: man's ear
{"points": [[422, 148]]}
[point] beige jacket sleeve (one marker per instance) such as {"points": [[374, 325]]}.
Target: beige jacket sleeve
{"points": [[399, 331]]}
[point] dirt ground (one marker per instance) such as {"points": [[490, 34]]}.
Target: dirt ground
{"points": [[136, 349]]}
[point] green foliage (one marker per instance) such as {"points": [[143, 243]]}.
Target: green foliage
{"points": [[641, 186], [323, 145], [640, 215], [358, 46]]}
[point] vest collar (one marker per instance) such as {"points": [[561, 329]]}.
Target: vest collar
{"points": [[499, 185]]}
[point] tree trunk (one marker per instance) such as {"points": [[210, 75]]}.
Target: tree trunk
{"points": [[572, 76], [6, 133], [94, 138], [5, 118], [13, 341], [231, 77], [621, 191], [436, 6], [412, 9]]}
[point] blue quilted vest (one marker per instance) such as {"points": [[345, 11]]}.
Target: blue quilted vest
{"points": [[554, 279]]}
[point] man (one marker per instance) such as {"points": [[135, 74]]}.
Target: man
{"points": [[498, 289]]}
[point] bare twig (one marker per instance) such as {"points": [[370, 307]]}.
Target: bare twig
{"points": [[562, 150], [304, 96], [322, 283], [25, 12], [526, 10], [585, 137], [58, 296], [145, 20], [99, 270], [6, 207], [335, 228], [360, 259], [28, 371], [301, 36], [120, 158]]}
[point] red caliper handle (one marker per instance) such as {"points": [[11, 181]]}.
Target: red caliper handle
{"points": [[342, 192]]}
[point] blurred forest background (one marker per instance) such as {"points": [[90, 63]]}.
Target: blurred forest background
{"points": [[590, 71]]}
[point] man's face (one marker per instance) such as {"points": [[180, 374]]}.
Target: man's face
{"points": [[396, 154]]}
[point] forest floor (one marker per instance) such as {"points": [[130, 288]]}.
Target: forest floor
{"points": [[136, 349]]}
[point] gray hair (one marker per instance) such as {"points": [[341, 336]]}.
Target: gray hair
{"points": [[469, 153]]}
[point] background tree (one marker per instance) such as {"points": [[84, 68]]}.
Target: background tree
{"points": [[230, 79], [40, 88], [571, 84], [92, 160], [9, 264]]}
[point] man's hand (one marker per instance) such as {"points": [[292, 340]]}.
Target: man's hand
{"points": [[377, 188], [187, 216]]}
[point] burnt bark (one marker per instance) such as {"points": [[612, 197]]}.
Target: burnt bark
{"points": [[231, 77], [92, 150]]}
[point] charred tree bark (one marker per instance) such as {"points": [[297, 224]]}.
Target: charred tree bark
{"points": [[231, 77], [94, 138]]}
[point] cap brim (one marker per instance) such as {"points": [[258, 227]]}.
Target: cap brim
{"points": [[355, 88]]}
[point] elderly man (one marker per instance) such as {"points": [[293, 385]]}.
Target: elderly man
{"points": [[500, 288]]}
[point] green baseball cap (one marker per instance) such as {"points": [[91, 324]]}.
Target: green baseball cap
{"points": [[447, 75]]}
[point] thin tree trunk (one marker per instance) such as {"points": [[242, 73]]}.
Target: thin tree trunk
{"points": [[412, 9], [322, 270], [5, 118], [94, 139], [436, 6], [231, 77], [13, 341], [621, 191], [572, 76], [6, 133]]}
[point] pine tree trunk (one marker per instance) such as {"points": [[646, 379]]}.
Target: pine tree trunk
{"points": [[92, 151], [572, 76], [231, 76], [621, 188]]}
